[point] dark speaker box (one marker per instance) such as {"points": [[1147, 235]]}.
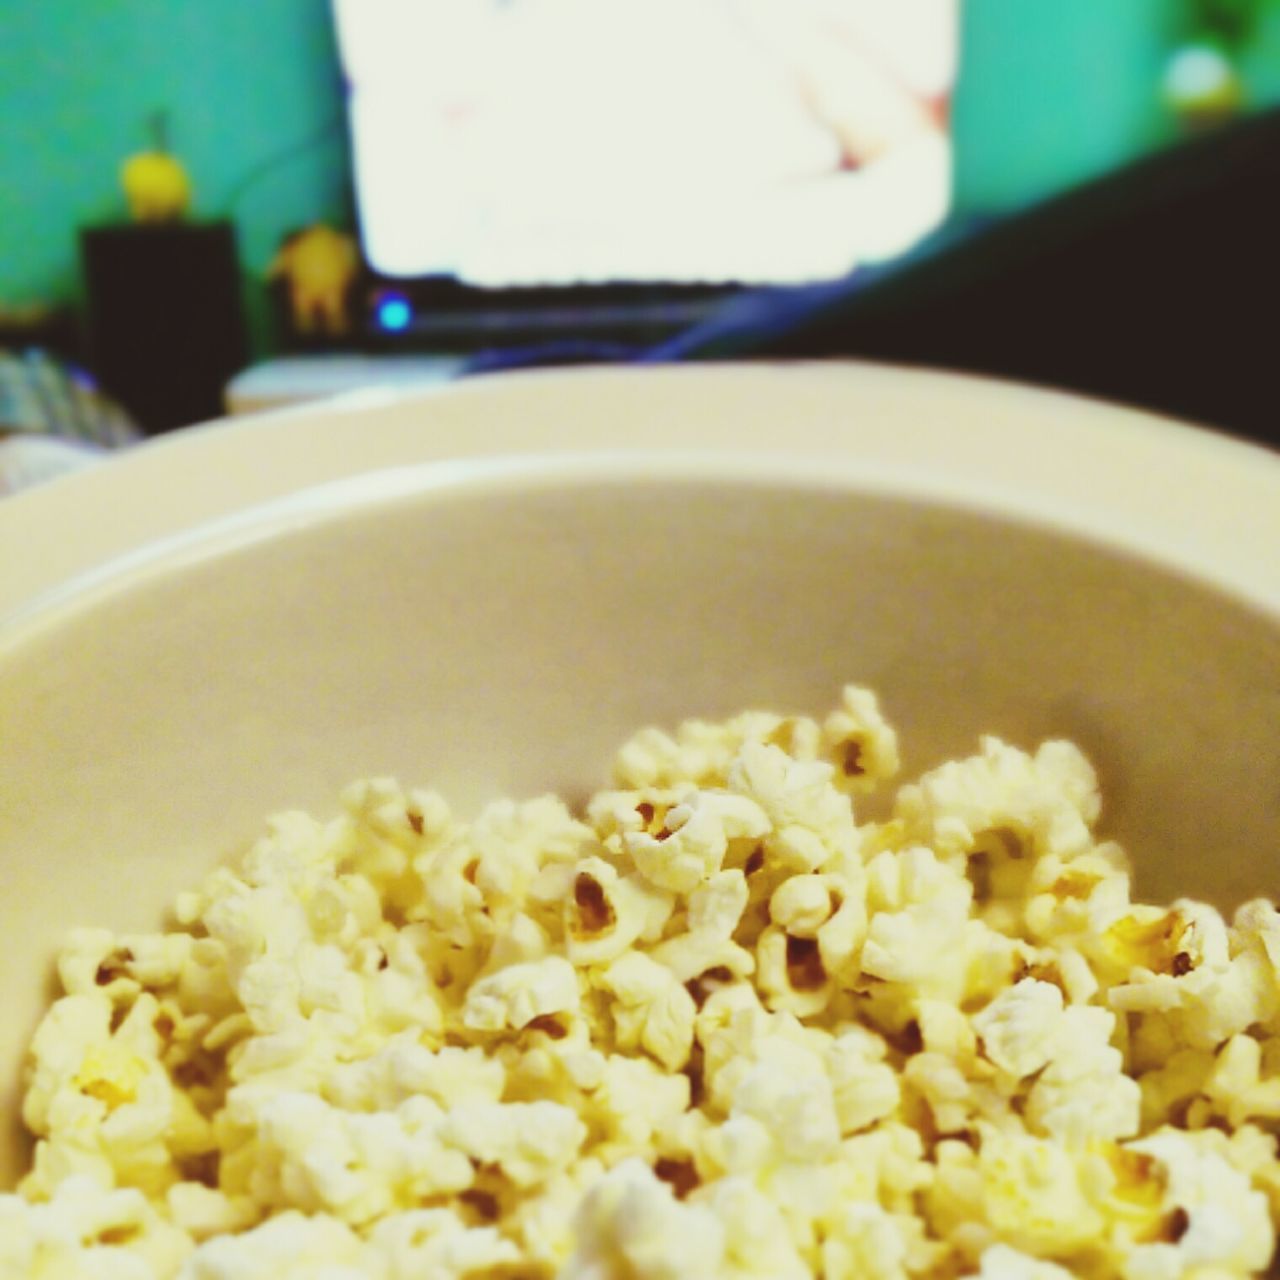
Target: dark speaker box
{"points": [[166, 329]]}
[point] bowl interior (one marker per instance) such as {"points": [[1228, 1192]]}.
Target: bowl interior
{"points": [[503, 633]]}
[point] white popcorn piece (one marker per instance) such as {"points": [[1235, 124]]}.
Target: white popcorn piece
{"points": [[1074, 897], [865, 1088], [357, 1167], [791, 975], [1050, 797], [434, 1242], [405, 1068], [289, 1246], [787, 1091], [757, 1240], [860, 742], [85, 1229], [867, 1243], [918, 921], [513, 997], [528, 1141], [634, 1099], [701, 753], [1235, 1083], [802, 904], [713, 912], [101, 1099], [631, 1225], [652, 1010], [1224, 1222], [810, 822], [1019, 1029], [946, 1090], [543, 1225], [1002, 1263], [692, 846], [1083, 1092], [605, 912], [841, 937], [204, 1212]]}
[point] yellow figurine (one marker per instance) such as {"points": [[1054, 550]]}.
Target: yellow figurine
{"points": [[320, 266], [156, 185]]}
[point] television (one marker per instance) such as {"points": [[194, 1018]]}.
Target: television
{"points": [[568, 158]]}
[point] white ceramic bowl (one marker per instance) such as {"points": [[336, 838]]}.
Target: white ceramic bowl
{"points": [[589, 552]]}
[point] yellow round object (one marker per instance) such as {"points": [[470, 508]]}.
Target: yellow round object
{"points": [[156, 186]]}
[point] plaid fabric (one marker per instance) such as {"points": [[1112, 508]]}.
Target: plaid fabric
{"points": [[44, 396]]}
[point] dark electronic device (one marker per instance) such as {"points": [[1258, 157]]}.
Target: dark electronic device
{"points": [[165, 326]]}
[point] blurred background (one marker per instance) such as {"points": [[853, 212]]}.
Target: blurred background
{"points": [[243, 204]]}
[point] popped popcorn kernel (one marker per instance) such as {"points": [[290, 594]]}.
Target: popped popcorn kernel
{"points": [[715, 1025]]}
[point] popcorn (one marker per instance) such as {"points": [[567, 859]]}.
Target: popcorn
{"points": [[605, 913], [866, 1242], [944, 1088], [1002, 1263], [1220, 1220], [405, 1068], [1083, 1092], [803, 904], [432, 1242], [1034, 1197], [652, 1009], [791, 975], [632, 1101], [809, 821], [289, 1246], [695, 839], [757, 1243], [513, 997], [918, 911], [86, 1230], [354, 1166], [1235, 1085], [860, 742], [1050, 798], [1019, 1029], [99, 1097], [719, 1027], [631, 1225], [714, 910], [527, 1141]]}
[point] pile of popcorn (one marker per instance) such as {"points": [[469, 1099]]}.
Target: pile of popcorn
{"points": [[714, 1026]]}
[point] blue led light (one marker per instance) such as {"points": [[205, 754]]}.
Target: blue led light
{"points": [[394, 313]]}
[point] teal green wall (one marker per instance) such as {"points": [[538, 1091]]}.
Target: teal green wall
{"points": [[244, 81], [1053, 92], [1260, 62]]}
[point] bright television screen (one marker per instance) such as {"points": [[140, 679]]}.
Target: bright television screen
{"points": [[545, 142]]}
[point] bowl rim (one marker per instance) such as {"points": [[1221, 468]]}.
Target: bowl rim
{"points": [[477, 479], [1237, 483]]}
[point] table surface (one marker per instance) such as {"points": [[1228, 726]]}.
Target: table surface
{"points": [[306, 378]]}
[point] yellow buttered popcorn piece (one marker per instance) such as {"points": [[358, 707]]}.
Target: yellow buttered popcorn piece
{"points": [[1034, 1197]]}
